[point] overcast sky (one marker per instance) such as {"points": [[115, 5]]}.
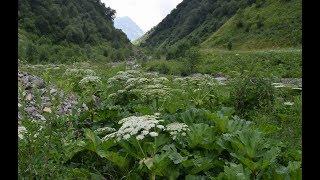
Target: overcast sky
{"points": [[146, 13]]}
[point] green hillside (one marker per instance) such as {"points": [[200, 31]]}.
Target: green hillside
{"points": [[193, 21], [265, 25], [62, 31]]}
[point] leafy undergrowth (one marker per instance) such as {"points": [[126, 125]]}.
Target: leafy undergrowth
{"points": [[143, 125], [282, 63]]}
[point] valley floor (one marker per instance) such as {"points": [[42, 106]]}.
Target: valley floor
{"points": [[67, 107]]}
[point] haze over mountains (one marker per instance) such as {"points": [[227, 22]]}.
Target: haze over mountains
{"points": [[129, 27]]}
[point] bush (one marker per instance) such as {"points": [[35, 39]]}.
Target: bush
{"points": [[252, 93], [193, 57], [239, 24], [164, 69], [43, 56], [74, 35], [229, 45], [31, 52], [259, 22]]}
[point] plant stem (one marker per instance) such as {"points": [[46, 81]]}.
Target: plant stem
{"points": [[153, 176], [141, 149]]}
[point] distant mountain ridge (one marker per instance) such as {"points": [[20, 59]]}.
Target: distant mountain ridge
{"points": [[129, 27]]}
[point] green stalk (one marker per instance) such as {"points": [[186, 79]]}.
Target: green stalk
{"points": [[144, 155], [153, 176]]}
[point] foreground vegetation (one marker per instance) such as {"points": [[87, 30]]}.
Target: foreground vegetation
{"points": [[216, 93], [147, 125]]}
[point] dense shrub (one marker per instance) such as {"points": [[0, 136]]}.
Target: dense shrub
{"points": [[251, 94], [229, 45], [192, 57]]}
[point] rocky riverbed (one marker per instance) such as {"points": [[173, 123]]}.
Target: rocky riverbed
{"points": [[36, 98]]}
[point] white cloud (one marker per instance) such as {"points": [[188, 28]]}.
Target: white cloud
{"points": [[146, 13]]}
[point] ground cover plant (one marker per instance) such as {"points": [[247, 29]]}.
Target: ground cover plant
{"points": [[146, 125], [272, 63]]}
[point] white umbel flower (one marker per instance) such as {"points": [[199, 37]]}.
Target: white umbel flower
{"points": [[176, 129], [140, 127], [90, 79]]}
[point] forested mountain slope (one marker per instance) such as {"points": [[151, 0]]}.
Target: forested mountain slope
{"points": [[193, 21], [268, 24], [53, 27]]}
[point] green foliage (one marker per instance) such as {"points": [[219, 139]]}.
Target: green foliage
{"points": [[234, 172], [193, 57], [192, 21], [264, 25], [251, 93], [58, 20], [229, 45], [73, 31], [201, 135], [284, 63], [31, 52], [216, 145]]}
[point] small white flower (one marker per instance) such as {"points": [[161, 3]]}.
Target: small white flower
{"points": [[140, 137], [176, 128], [104, 130], [127, 136], [153, 134], [288, 103], [21, 131]]}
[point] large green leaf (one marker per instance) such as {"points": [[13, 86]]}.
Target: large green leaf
{"points": [[201, 163], [114, 157], [93, 141], [136, 153], [161, 164], [234, 172], [201, 135], [175, 157]]}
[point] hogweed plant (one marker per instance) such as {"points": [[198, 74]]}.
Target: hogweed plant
{"points": [[152, 147]]}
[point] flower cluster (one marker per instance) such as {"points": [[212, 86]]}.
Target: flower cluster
{"points": [[122, 77], [89, 80], [138, 127], [177, 128], [144, 85], [198, 80]]}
